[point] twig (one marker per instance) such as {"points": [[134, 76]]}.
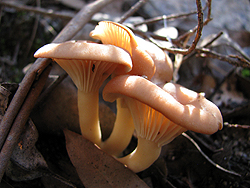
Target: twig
{"points": [[67, 33], [50, 88], [218, 85], [204, 46], [132, 10], [34, 30], [213, 39], [236, 125], [198, 28], [236, 47], [38, 10], [232, 59], [166, 17], [20, 120], [81, 18], [19, 97], [212, 147], [195, 29], [207, 158]]}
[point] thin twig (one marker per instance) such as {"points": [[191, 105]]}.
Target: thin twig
{"points": [[166, 17], [219, 84], [213, 39], [204, 46], [207, 158], [195, 29], [34, 30], [38, 10], [232, 59], [198, 30], [50, 88], [132, 10], [236, 125], [19, 97]]}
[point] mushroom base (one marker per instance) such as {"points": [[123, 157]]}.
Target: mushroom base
{"points": [[146, 153]]}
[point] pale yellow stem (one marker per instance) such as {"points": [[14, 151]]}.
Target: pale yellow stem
{"points": [[88, 107], [146, 153], [122, 132]]}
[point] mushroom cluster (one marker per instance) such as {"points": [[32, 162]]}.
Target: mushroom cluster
{"points": [[147, 103]]}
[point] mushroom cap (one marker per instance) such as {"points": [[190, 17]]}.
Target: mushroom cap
{"points": [[119, 35], [186, 96], [83, 50], [163, 63], [116, 34], [192, 115]]}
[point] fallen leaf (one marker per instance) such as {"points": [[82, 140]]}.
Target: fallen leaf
{"points": [[27, 163], [96, 168]]}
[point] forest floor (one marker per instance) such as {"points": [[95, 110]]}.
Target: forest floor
{"points": [[191, 160]]}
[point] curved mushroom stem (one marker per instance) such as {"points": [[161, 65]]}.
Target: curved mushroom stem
{"points": [[122, 132], [88, 108], [145, 154]]}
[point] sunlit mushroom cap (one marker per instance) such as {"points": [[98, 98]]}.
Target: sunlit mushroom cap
{"points": [[163, 63], [88, 51], [194, 113], [188, 97], [88, 64], [114, 33]]}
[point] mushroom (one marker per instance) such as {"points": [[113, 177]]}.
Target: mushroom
{"points": [[88, 65], [160, 115], [163, 63], [119, 35]]}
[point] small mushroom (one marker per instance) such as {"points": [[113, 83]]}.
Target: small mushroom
{"points": [[160, 115], [88, 65], [119, 35]]}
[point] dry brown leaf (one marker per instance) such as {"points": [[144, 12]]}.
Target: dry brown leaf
{"points": [[27, 163], [96, 168]]}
